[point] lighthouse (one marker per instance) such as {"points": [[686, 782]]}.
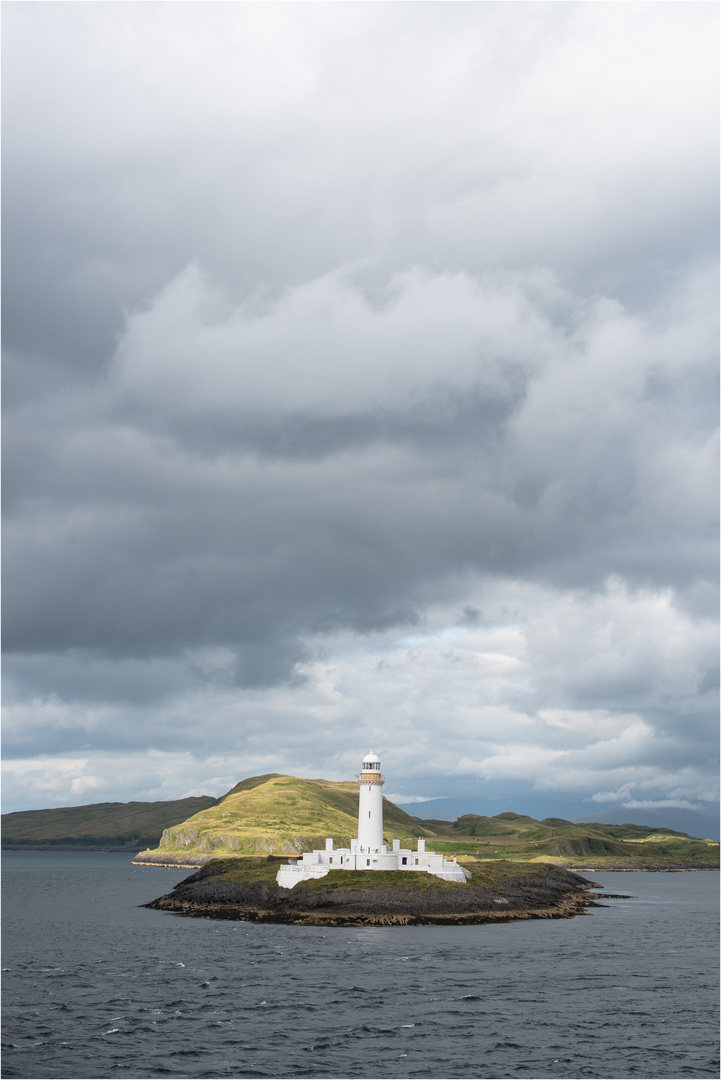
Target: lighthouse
{"points": [[368, 852], [370, 805]]}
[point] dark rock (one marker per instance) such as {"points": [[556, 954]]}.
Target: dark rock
{"points": [[556, 893]]}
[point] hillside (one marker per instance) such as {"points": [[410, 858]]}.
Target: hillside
{"points": [[285, 815], [691, 822], [574, 845], [275, 815], [100, 826]]}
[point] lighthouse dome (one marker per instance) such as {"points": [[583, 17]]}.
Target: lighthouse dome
{"points": [[371, 758]]}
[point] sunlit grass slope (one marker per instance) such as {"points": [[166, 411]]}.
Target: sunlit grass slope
{"points": [[286, 815], [555, 840], [279, 815]]}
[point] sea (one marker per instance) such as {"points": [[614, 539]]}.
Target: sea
{"points": [[97, 986]]}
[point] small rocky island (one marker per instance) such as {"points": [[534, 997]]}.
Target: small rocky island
{"points": [[246, 889], [371, 884]]}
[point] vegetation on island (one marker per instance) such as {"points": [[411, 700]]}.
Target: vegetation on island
{"points": [[276, 815], [574, 845], [263, 870], [286, 816], [244, 888]]}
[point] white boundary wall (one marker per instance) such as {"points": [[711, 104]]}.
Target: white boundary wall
{"points": [[316, 864], [369, 852], [290, 874]]}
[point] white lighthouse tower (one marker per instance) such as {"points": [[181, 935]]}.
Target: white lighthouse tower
{"points": [[370, 805], [368, 852]]}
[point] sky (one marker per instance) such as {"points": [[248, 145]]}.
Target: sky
{"points": [[360, 392]]}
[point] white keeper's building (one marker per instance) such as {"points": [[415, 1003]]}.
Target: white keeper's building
{"points": [[369, 852]]}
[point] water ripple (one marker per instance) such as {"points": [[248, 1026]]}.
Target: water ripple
{"points": [[105, 987]]}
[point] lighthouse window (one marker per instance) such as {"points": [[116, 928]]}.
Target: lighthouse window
{"points": [[368, 862], [404, 861]]}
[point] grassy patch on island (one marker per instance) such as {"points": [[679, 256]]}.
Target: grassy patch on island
{"points": [[244, 870]]}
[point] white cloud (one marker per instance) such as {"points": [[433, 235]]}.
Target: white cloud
{"points": [[59, 780], [309, 142], [329, 347], [323, 347], [432, 702], [649, 804], [403, 800]]}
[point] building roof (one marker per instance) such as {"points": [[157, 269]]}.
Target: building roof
{"points": [[371, 758]]}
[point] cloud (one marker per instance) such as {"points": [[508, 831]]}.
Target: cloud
{"points": [[490, 465], [338, 412], [505, 727], [306, 144], [324, 347], [404, 800], [52, 780], [678, 803]]}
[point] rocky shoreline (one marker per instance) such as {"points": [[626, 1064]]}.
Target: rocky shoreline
{"points": [[152, 858], [553, 894]]}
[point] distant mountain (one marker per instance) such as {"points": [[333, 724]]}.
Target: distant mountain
{"points": [[99, 826], [687, 821]]}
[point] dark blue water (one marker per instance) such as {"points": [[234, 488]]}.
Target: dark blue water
{"points": [[95, 986]]}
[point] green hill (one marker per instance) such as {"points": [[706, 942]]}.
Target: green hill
{"points": [[285, 815], [276, 815], [588, 844], [100, 826]]}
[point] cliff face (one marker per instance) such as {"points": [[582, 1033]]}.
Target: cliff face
{"points": [[380, 898]]}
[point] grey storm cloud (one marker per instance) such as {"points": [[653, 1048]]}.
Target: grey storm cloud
{"points": [[486, 439], [335, 336]]}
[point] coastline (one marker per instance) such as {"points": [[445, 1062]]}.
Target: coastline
{"points": [[149, 859], [641, 869], [224, 891], [153, 859]]}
